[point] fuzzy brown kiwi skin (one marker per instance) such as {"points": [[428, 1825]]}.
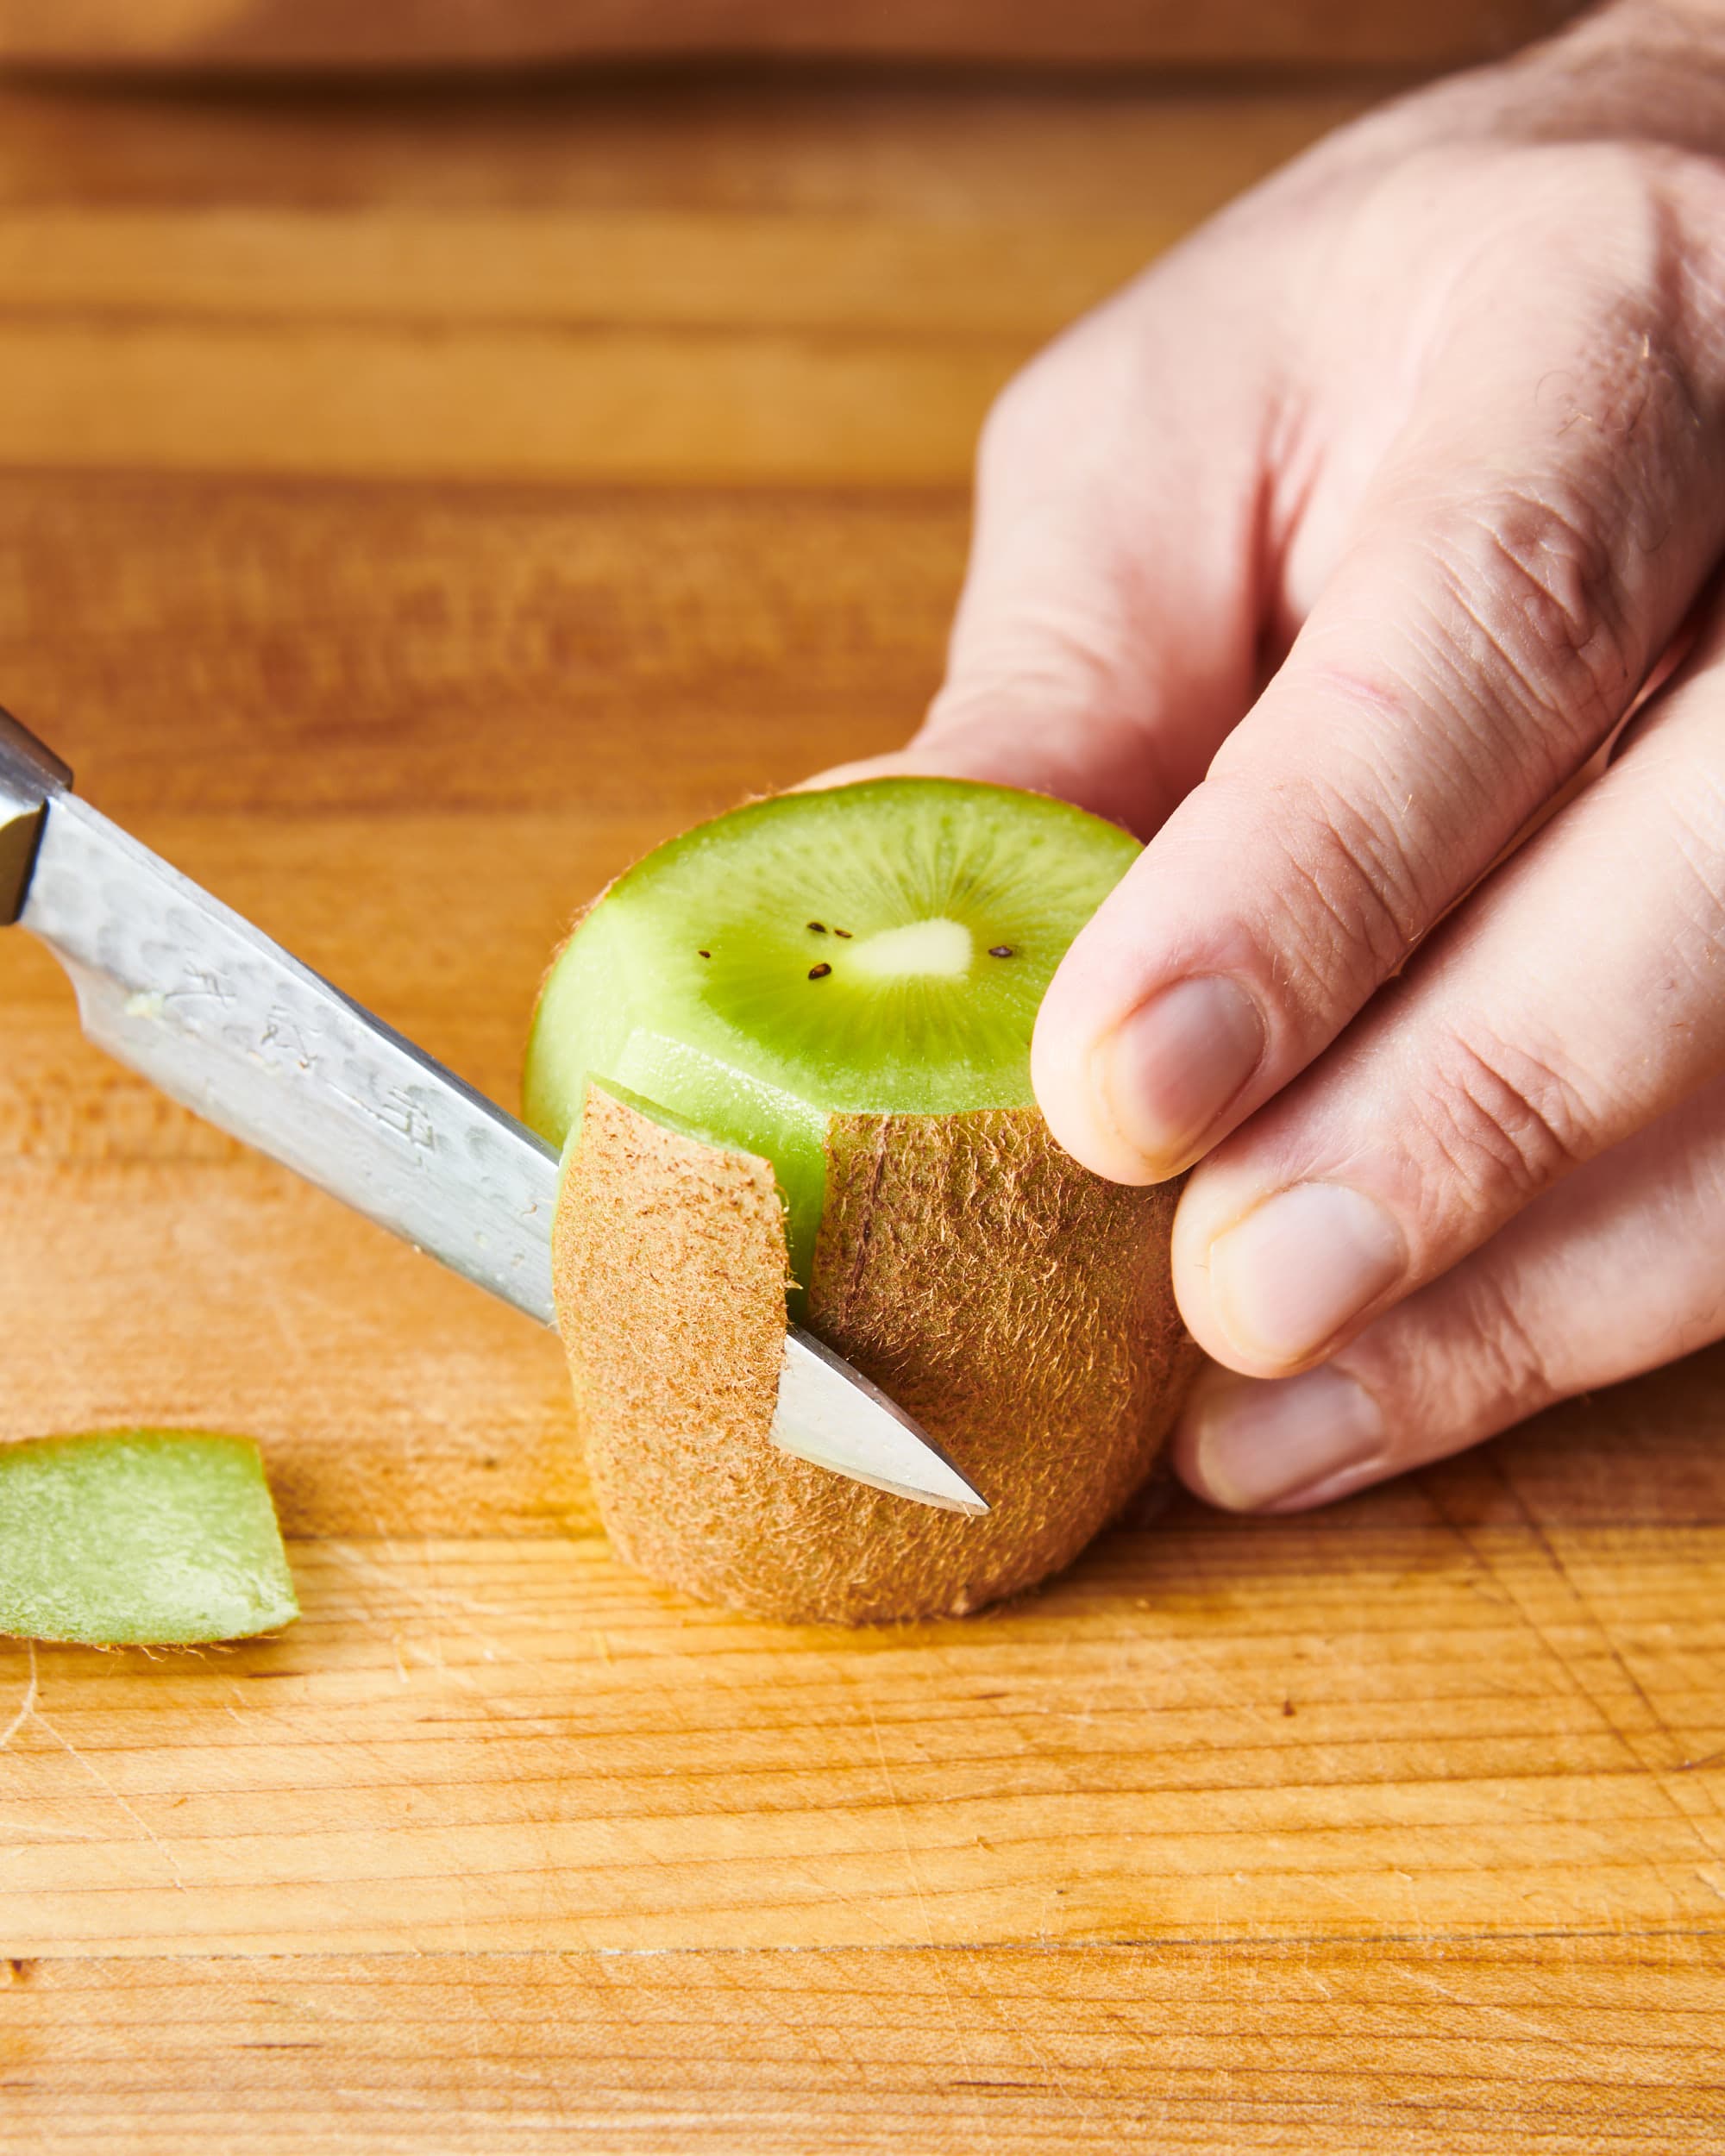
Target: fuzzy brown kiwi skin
{"points": [[1019, 1307]]}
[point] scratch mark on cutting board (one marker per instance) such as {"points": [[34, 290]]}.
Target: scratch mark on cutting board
{"points": [[1658, 1773], [26, 1707], [1520, 2023], [124, 1803], [955, 2018], [436, 1599], [1022, 2031], [911, 1866]]}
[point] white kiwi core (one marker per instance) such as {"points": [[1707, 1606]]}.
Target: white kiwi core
{"points": [[938, 950]]}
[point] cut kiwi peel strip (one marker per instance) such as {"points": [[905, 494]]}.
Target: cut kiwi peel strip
{"points": [[1017, 1307], [827, 1412], [881, 947], [140, 1538]]}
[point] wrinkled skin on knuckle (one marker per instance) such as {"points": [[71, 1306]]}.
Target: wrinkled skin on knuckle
{"points": [[1556, 589], [1347, 887], [1496, 1123], [1493, 1368], [1542, 604], [1624, 247], [1452, 1366], [1603, 267], [1530, 611]]}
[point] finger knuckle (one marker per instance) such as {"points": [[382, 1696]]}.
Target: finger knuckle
{"points": [[1546, 582], [1458, 1362], [1506, 1120], [1363, 899], [1532, 605], [1354, 892], [1511, 1368]]}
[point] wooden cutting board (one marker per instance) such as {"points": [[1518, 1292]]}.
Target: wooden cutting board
{"points": [[415, 506]]}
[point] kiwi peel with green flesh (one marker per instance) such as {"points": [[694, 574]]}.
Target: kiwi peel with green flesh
{"points": [[879, 1154], [140, 1538]]}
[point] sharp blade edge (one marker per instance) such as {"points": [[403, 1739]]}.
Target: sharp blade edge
{"points": [[830, 1414]]}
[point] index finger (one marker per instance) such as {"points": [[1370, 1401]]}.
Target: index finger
{"points": [[1525, 552]]}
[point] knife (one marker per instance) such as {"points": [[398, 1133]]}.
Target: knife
{"points": [[173, 983]]}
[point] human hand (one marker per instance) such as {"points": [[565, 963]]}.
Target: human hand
{"points": [[1330, 553]]}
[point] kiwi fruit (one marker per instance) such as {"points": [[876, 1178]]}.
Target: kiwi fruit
{"points": [[140, 1538], [788, 1056]]}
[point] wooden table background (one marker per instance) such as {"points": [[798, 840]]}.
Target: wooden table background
{"points": [[413, 504]]}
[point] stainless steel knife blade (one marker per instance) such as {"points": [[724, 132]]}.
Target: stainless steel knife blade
{"points": [[184, 990]]}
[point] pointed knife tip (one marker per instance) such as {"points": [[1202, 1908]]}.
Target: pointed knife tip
{"points": [[829, 1413]]}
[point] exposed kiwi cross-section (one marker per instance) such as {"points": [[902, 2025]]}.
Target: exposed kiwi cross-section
{"points": [[879, 949], [140, 1538], [789, 1054]]}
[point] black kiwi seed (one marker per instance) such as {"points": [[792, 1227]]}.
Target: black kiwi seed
{"points": [[1000, 950], [819, 972], [818, 927], [703, 954], [844, 932]]}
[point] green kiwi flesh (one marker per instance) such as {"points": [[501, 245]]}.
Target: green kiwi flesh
{"points": [[140, 1538], [874, 949]]}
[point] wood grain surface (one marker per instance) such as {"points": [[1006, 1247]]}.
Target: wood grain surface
{"points": [[240, 35], [413, 507]]}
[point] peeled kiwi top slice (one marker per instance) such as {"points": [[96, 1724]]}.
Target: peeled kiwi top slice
{"points": [[789, 1052], [129, 1538], [875, 948]]}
